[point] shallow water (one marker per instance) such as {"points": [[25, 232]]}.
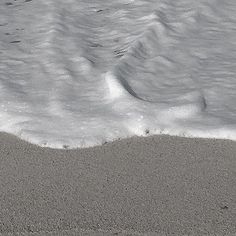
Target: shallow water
{"points": [[81, 73]]}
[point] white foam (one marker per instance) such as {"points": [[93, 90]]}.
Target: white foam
{"points": [[81, 74]]}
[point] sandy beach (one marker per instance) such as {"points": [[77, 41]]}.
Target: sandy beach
{"points": [[159, 185], [76, 74]]}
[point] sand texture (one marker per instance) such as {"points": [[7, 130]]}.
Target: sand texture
{"points": [[159, 185]]}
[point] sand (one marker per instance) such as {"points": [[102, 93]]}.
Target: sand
{"points": [[158, 185]]}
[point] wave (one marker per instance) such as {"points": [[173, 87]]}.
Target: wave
{"points": [[82, 74]]}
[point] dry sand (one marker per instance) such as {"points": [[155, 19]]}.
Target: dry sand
{"points": [[158, 185]]}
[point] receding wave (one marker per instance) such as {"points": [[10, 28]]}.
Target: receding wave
{"points": [[78, 74]]}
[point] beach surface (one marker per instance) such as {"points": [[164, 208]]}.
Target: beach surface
{"points": [[158, 185]]}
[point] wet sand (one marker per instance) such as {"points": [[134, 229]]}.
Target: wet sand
{"points": [[159, 185]]}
